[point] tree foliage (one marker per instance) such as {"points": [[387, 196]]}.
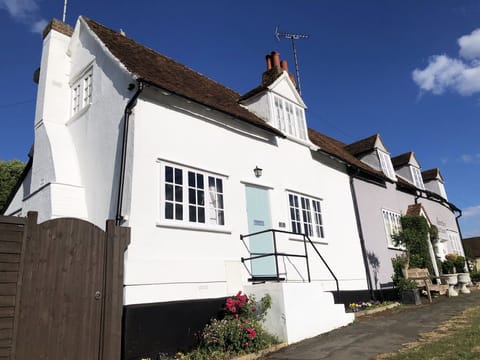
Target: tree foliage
{"points": [[10, 172]]}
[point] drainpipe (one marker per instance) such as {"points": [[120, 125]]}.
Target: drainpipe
{"points": [[461, 237], [121, 182], [360, 234]]}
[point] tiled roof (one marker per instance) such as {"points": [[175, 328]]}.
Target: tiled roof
{"points": [[338, 149], [362, 146], [401, 160], [472, 244], [415, 209], [159, 70], [431, 174], [268, 79]]}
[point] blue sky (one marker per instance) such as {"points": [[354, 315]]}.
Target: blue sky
{"points": [[409, 70]]}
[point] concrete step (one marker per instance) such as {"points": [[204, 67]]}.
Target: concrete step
{"points": [[300, 310]]}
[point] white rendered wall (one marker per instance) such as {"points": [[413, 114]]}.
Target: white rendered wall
{"points": [[56, 188], [165, 263], [292, 317], [97, 132]]}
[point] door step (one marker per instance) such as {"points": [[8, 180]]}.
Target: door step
{"points": [[263, 279]]}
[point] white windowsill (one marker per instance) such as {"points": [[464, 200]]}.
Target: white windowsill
{"points": [[192, 227], [315, 241], [78, 114]]}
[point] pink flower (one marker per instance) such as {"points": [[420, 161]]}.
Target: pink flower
{"points": [[254, 308], [251, 333], [246, 344]]}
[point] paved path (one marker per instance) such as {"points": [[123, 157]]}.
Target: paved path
{"points": [[379, 333]]}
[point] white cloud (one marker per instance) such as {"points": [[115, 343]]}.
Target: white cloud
{"points": [[472, 211], [470, 45], [19, 9], [470, 158], [39, 26], [26, 12], [444, 73]]}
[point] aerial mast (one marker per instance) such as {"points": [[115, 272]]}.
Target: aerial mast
{"points": [[293, 37], [64, 10]]}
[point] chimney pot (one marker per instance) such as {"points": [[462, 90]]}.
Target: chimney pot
{"points": [[268, 58], [276, 59], [284, 65]]}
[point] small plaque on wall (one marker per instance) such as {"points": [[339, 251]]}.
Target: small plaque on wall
{"points": [[258, 222], [281, 224]]}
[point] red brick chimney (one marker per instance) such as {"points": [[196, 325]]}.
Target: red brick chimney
{"points": [[275, 67]]}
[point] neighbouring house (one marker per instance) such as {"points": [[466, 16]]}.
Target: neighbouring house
{"points": [[402, 190], [472, 250], [201, 174], [192, 168]]}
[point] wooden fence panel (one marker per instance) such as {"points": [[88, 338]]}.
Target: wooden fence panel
{"points": [[11, 240]]}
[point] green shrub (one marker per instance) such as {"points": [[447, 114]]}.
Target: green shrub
{"points": [[460, 264], [414, 236]]}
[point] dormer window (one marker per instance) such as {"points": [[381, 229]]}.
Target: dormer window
{"points": [[417, 177], [386, 164], [289, 118]]}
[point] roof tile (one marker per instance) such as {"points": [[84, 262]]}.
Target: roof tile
{"points": [[162, 71]]}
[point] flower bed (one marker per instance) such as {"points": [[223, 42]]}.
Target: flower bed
{"points": [[239, 332], [370, 307]]}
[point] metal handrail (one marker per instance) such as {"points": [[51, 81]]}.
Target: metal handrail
{"points": [[276, 254]]}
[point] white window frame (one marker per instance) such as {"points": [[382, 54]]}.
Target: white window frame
{"points": [[306, 215], [392, 225], [454, 240], [199, 197], [386, 164], [417, 177], [289, 118], [81, 92]]}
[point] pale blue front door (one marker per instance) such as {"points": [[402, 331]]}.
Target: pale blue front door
{"points": [[258, 214]]}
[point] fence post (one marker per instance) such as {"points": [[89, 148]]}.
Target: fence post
{"points": [[117, 239]]}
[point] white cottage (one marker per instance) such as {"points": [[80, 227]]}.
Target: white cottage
{"points": [[192, 168]]}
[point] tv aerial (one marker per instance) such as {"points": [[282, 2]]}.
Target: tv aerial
{"points": [[293, 37]]}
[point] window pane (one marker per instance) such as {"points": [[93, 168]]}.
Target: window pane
{"points": [[169, 174], [220, 201], [178, 194], [220, 185], [192, 199], [211, 182], [200, 197], [200, 181], [191, 179], [178, 176], [169, 192], [221, 220], [168, 210], [178, 212], [201, 215], [192, 214]]}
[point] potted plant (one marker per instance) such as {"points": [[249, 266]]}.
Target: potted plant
{"points": [[450, 277], [409, 293]]}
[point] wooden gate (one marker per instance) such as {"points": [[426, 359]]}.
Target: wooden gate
{"points": [[61, 289]]}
